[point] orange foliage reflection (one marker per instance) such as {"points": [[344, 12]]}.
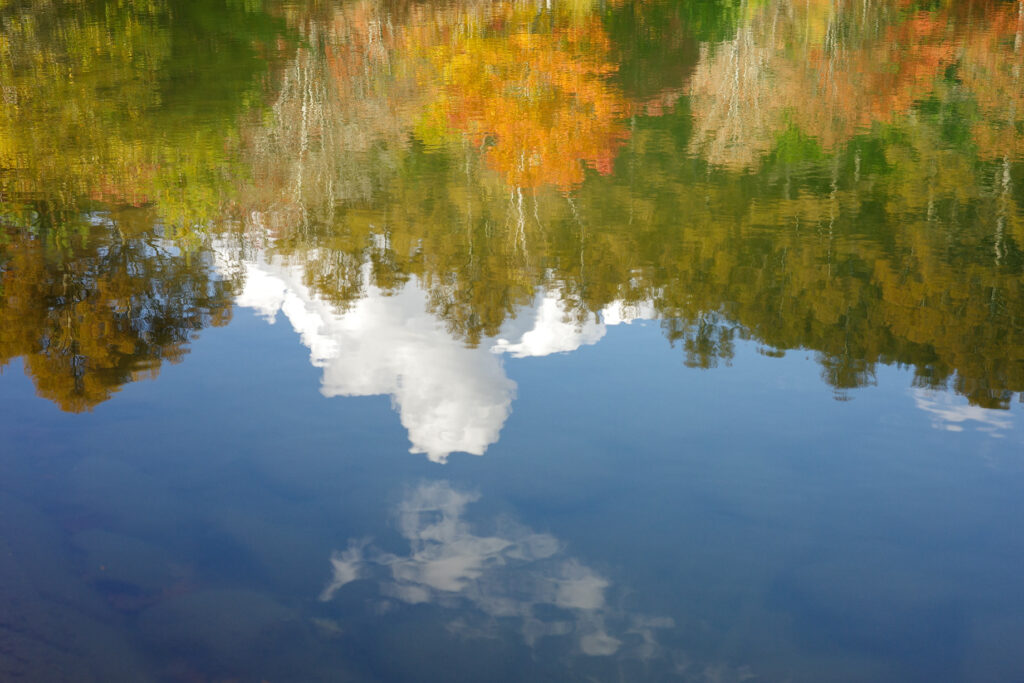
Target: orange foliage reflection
{"points": [[540, 101]]}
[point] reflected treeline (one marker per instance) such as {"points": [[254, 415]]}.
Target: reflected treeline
{"points": [[119, 132], [129, 103], [758, 196], [89, 312], [832, 176], [833, 69]]}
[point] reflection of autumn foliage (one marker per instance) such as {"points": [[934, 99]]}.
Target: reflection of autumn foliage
{"points": [[826, 67], [992, 69], [540, 100], [67, 81], [344, 110], [89, 314], [92, 108], [529, 86], [396, 130], [115, 188], [897, 250], [906, 257], [835, 69], [864, 260], [732, 99], [874, 82]]}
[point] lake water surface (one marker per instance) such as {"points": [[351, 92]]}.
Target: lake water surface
{"points": [[511, 341]]}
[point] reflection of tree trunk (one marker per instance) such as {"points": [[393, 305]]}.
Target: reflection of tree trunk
{"points": [[311, 93], [1003, 202], [295, 150], [519, 217], [1019, 39], [1018, 47], [1006, 181], [731, 126]]}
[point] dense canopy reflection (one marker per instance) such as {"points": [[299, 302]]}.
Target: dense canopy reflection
{"points": [[87, 313], [492, 154]]}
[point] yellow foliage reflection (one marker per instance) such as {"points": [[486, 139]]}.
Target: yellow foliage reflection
{"points": [[90, 313]]}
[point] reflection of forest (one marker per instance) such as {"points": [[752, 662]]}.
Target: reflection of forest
{"points": [[836, 69], [872, 229], [88, 314], [117, 122], [831, 176]]}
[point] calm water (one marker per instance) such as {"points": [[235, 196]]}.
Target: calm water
{"points": [[511, 341]]}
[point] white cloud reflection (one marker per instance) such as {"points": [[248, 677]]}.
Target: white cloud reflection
{"points": [[450, 398], [952, 413], [515, 573]]}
